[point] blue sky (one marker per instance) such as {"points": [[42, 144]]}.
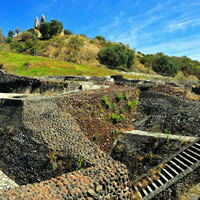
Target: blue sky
{"points": [[150, 26]]}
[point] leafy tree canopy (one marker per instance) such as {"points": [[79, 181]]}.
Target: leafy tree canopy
{"points": [[162, 65], [51, 29], [10, 34], [117, 55], [67, 32]]}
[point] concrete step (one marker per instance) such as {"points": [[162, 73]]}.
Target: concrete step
{"points": [[174, 169]]}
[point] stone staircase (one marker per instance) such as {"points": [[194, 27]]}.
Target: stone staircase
{"points": [[178, 166]]}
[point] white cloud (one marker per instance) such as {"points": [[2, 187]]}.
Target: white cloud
{"points": [[183, 23], [186, 46]]}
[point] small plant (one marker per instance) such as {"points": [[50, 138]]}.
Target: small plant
{"points": [[116, 118], [105, 99], [107, 102], [119, 96], [168, 137], [122, 116], [108, 105], [53, 159], [95, 138], [122, 111], [126, 97], [79, 164], [132, 104]]}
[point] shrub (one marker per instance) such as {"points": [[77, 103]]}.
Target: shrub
{"points": [[33, 32], [56, 27], [162, 65], [116, 118], [67, 32], [26, 35], [180, 76], [106, 101], [79, 164], [9, 40], [44, 29], [126, 97], [51, 29], [98, 37], [116, 55], [75, 43], [19, 47], [83, 35], [132, 104], [119, 96], [10, 34]]}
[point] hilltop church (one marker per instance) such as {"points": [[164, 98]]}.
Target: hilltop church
{"points": [[37, 24]]}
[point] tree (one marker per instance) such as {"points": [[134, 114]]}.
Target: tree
{"points": [[117, 55], [56, 27], [10, 34], [51, 29], [44, 29], [33, 32], [98, 37], [162, 65], [26, 35], [9, 40], [67, 32], [17, 30]]}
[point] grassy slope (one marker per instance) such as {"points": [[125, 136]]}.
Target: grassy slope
{"points": [[41, 66]]}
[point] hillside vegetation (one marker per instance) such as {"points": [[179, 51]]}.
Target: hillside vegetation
{"points": [[39, 66], [170, 66], [49, 40], [86, 56]]}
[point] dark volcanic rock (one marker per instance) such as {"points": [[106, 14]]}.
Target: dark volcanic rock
{"points": [[168, 114], [10, 83]]}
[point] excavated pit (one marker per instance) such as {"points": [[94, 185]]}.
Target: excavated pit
{"points": [[28, 149]]}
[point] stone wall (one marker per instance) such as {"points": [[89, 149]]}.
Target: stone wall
{"points": [[43, 145], [141, 151]]}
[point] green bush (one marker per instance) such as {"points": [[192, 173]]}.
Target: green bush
{"points": [[67, 32], [56, 27], [51, 29], [116, 118], [162, 65], [9, 40], [26, 35], [98, 37], [106, 101], [132, 104], [18, 47], [33, 32], [116, 55], [75, 43], [44, 29], [119, 96], [10, 34]]}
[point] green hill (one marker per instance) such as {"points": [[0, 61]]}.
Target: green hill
{"points": [[39, 66]]}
